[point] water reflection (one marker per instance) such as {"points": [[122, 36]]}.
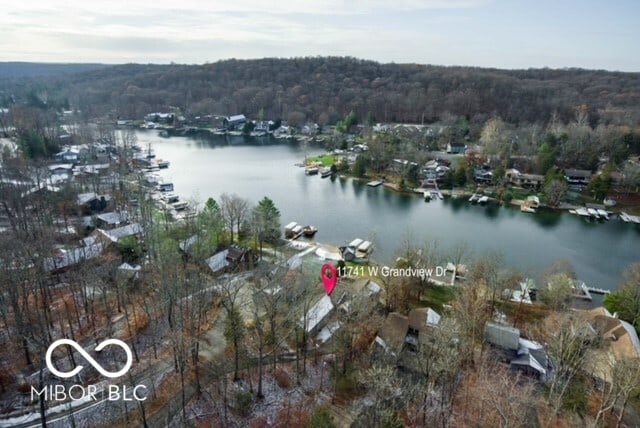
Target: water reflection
{"points": [[492, 211], [547, 219], [345, 211]]}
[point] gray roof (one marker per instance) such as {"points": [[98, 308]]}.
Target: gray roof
{"points": [[577, 173], [236, 118], [528, 360], [317, 313], [187, 243], [83, 198], [503, 336], [393, 332], [114, 218], [72, 257], [117, 234], [632, 334], [218, 261]]}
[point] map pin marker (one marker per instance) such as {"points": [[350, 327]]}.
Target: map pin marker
{"points": [[329, 277]]}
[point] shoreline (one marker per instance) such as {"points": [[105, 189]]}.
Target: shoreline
{"points": [[464, 193]]}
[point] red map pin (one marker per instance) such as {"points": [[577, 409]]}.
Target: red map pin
{"points": [[329, 277]]}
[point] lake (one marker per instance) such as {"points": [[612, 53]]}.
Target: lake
{"points": [[344, 209]]}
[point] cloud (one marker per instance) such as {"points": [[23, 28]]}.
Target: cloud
{"points": [[465, 32]]}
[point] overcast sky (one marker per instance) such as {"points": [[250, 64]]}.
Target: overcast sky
{"points": [[489, 33]]}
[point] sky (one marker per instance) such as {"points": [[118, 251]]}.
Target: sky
{"points": [[593, 34]]}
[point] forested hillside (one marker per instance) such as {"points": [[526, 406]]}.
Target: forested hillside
{"points": [[325, 89], [33, 69]]}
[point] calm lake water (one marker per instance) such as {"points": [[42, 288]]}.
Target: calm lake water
{"points": [[344, 209]]}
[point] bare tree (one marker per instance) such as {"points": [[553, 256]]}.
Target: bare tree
{"points": [[235, 211]]}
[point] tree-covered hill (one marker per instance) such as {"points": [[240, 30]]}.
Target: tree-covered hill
{"points": [[324, 89]]}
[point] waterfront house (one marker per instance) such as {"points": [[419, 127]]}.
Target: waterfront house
{"points": [[456, 148], [166, 118], [399, 165], [577, 177], [235, 122], [483, 175], [527, 181]]}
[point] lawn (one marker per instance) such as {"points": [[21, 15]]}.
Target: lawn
{"points": [[436, 296], [325, 160]]}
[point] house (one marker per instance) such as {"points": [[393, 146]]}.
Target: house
{"points": [[391, 336], [61, 169], [523, 354], [528, 181], [456, 148], [577, 177], [68, 155], [434, 170], [159, 117], [399, 165], [240, 257], [400, 331], [620, 337], [232, 258], [67, 258], [483, 175], [91, 202], [327, 332], [117, 234], [421, 320], [218, 262], [316, 316], [40, 189], [112, 219], [263, 126], [236, 122]]}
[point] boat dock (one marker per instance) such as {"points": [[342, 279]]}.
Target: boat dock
{"points": [[583, 291], [628, 218], [601, 291]]}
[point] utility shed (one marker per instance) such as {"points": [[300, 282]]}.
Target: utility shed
{"points": [[502, 336]]}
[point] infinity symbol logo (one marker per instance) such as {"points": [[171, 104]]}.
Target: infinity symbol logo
{"points": [[88, 357]]}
